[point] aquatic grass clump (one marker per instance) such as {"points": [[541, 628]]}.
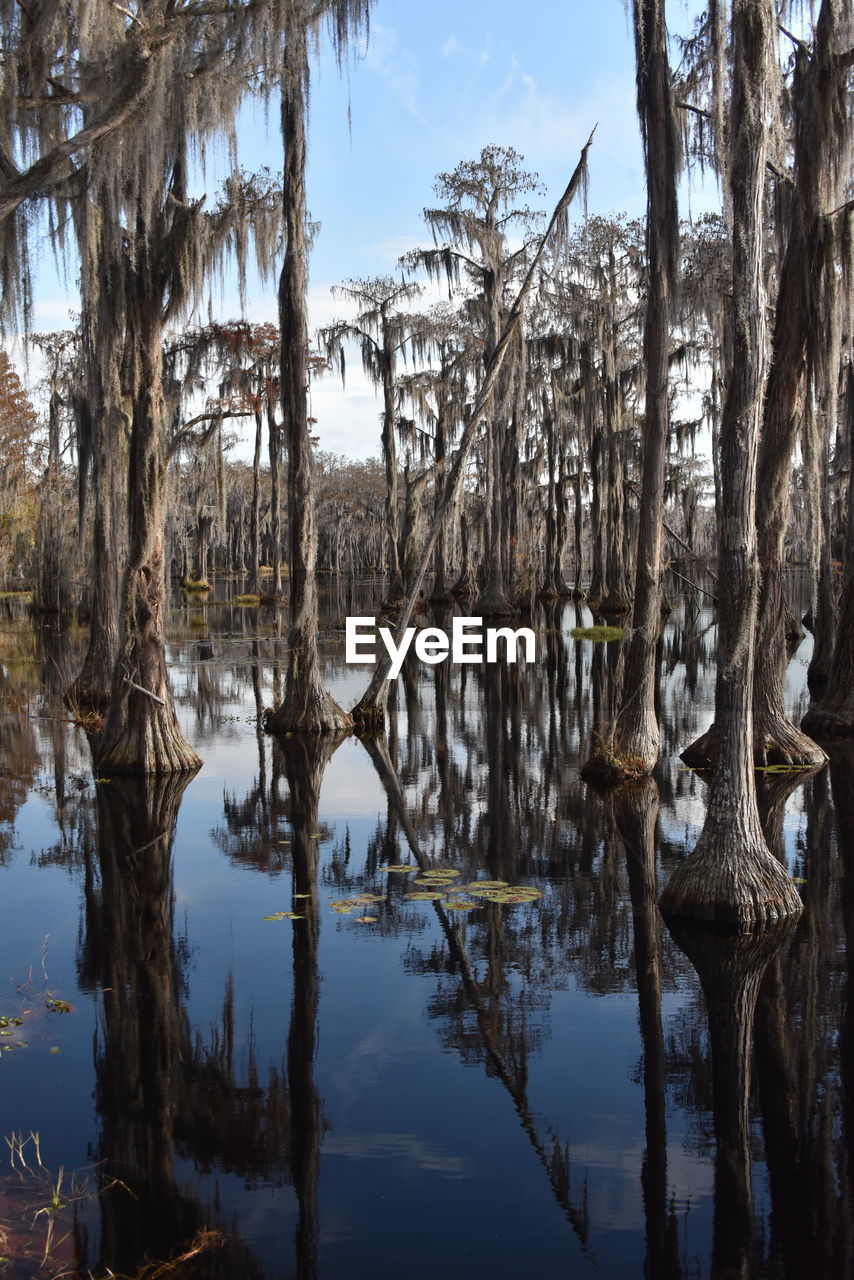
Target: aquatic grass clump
{"points": [[598, 635], [607, 767], [249, 598]]}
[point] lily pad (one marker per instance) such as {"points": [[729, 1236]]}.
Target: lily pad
{"points": [[424, 896], [403, 867]]}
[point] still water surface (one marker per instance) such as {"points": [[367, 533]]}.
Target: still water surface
{"points": [[453, 1084]]}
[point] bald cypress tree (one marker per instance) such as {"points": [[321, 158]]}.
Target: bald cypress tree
{"points": [[731, 876], [306, 707], [381, 329], [636, 736]]}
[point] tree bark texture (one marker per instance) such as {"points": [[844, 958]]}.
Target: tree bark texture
{"points": [[141, 733], [731, 877], [637, 734], [307, 707], [834, 714]]}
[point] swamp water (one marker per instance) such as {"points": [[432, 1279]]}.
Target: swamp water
{"points": [[222, 1012]]}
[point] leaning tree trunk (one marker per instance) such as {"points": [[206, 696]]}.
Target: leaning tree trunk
{"points": [[731, 876], [307, 707], [369, 711], [834, 714], [142, 734], [635, 747]]}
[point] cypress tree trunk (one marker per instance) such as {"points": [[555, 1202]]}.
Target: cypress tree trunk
{"points": [[826, 618], [731, 876], [100, 425], [306, 707], [578, 591], [822, 126], [441, 593], [274, 596], [834, 714], [255, 519], [141, 733], [636, 735], [392, 518], [466, 584]]}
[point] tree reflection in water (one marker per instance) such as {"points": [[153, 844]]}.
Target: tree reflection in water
{"points": [[162, 1093], [478, 772]]}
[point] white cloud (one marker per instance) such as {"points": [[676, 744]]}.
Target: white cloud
{"points": [[398, 68], [451, 46]]}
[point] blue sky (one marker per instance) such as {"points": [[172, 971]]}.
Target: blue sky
{"points": [[436, 83]]}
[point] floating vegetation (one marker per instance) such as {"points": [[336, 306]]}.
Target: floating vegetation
{"points": [[249, 599], [285, 915], [598, 634], [57, 1006], [507, 894], [402, 868], [438, 885], [344, 906]]}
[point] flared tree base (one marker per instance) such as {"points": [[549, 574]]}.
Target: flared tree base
{"points": [[614, 604], [732, 881], [782, 745], [493, 603], [144, 743], [310, 711], [825, 723]]}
